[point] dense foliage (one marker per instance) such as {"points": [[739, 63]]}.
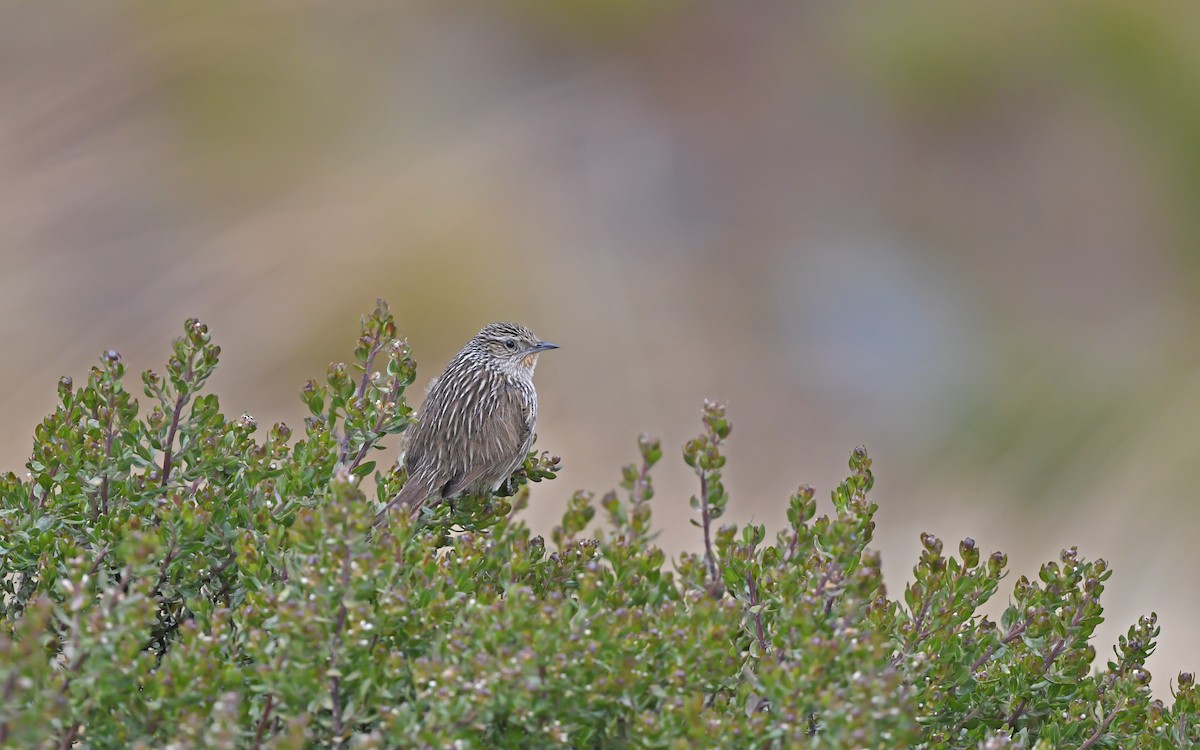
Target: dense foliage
{"points": [[170, 580]]}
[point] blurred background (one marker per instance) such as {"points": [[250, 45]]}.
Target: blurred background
{"points": [[965, 236]]}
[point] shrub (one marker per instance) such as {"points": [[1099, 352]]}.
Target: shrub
{"points": [[172, 580]]}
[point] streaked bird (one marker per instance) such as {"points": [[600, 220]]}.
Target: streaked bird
{"points": [[476, 425]]}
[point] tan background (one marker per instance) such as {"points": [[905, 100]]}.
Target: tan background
{"points": [[965, 237]]}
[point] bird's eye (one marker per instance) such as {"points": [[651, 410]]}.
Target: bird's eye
{"points": [[510, 344]]}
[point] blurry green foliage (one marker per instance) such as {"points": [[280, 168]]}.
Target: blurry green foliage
{"points": [[170, 580], [945, 63]]}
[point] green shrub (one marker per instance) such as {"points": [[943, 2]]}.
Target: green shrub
{"points": [[170, 580]]}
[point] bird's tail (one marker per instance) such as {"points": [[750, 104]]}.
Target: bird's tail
{"points": [[411, 496]]}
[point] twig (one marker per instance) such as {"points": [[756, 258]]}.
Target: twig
{"points": [[757, 612], [162, 567], [69, 738], [103, 553], [344, 443], [221, 568], [920, 621], [967, 719], [919, 635], [80, 657], [792, 545], [167, 448], [102, 506], [335, 684], [1103, 726], [9, 685], [260, 732], [1061, 645], [710, 560], [638, 492], [1015, 632], [1016, 714], [366, 446]]}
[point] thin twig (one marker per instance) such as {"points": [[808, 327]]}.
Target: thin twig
{"points": [[168, 447], [100, 555], [758, 620], [1016, 714], [793, 544], [376, 347], [162, 567], [967, 719], [80, 657], [260, 732], [69, 738], [335, 684], [9, 685], [918, 624], [710, 560], [638, 493], [1061, 645], [344, 443], [367, 445], [108, 444], [102, 506], [826, 580], [920, 621], [1015, 632], [223, 592], [1103, 726]]}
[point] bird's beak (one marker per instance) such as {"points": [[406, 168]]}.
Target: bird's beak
{"points": [[542, 346]]}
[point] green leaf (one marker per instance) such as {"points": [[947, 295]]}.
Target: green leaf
{"points": [[365, 468]]}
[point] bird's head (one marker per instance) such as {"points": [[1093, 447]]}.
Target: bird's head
{"points": [[514, 348]]}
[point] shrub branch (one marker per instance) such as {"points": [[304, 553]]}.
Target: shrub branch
{"points": [[169, 445], [128, 620], [261, 730], [710, 561], [335, 684], [1104, 725]]}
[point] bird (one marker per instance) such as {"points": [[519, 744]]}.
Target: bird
{"points": [[477, 422]]}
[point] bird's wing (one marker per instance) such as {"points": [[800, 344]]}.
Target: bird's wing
{"points": [[495, 446], [418, 438]]}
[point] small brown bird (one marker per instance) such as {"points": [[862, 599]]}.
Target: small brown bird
{"points": [[476, 425]]}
